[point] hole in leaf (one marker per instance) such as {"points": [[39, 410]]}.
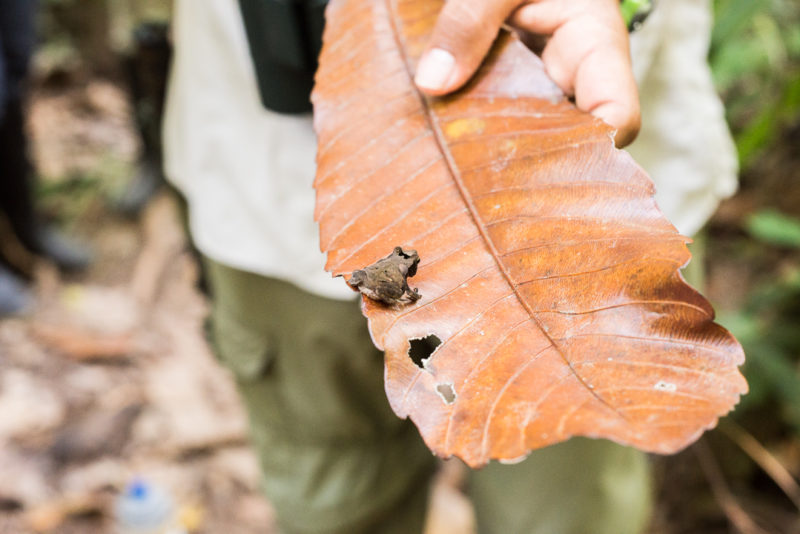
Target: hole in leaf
{"points": [[446, 392], [421, 349]]}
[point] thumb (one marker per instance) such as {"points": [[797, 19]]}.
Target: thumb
{"points": [[464, 32]]}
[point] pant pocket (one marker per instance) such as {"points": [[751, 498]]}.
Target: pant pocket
{"points": [[248, 354]]}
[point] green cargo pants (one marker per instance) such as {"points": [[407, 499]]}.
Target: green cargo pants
{"points": [[336, 460]]}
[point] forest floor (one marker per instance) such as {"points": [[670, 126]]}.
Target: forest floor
{"points": [[110, 377]]}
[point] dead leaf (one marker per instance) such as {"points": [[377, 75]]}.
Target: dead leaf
{"points": [[49, 516], [103, 433], [547, 270], [82, 344]]}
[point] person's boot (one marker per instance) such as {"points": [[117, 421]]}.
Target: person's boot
{"points": [[148, 69], [17, 200], [15, 297]]}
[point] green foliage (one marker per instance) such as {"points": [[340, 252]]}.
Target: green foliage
{"points": [[755, 59], [767, 326], [774, 228], [73, 197]]}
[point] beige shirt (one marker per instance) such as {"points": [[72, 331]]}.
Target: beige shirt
{"points": [[684, 143], [247, 172]]}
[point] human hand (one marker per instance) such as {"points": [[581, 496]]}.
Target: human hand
{"points": [[587, 53]]}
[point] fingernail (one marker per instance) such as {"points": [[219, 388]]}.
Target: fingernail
{"points": [[434, 69]]}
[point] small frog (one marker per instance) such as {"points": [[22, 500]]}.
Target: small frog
{"points": [[386, 279]]}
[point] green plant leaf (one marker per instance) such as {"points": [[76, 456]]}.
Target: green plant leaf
{"points": [[775, 228]]}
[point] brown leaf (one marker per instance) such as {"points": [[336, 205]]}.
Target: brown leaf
{"points": [[84, 344], [547, 270], [51, 515]]}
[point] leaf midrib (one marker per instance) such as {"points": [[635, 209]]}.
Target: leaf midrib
{"points": [[455, 175]]}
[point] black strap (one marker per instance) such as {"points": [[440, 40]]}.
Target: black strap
{"points": [[285, 37]]}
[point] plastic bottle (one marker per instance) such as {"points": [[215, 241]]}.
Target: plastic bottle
{"points": [[144, 508]]}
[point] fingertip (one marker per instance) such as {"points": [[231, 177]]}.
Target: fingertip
{"points": [[623, 118], [605, 87]]}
